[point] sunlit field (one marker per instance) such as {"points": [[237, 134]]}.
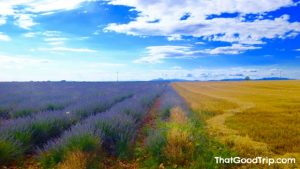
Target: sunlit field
{"points": [[254, 118], [71, 125], [131, 125]]}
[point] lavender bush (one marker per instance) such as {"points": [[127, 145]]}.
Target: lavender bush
{"points": [[118, 126], [170, 99], [78, 115]]}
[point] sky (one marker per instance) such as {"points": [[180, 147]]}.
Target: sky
{"points": [[106, 40]]}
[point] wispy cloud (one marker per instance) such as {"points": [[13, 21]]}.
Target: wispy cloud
{"points": [[4, 37], [233, 49], [66, 49], [175, 37], [200, 43], [156, 54], [45, 34], [2, 20], [55, 41], [54, 38], [29, 34]]}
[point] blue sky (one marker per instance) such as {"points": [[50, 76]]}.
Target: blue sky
{"points": [[92, 40]]}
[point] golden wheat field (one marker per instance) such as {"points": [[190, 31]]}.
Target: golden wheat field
{"points": [[251, 117]]}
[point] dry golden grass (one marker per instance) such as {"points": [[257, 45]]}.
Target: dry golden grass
{"points": [[75, 160], [201, 102], [253, 117], [178, 116], [180, 145]]}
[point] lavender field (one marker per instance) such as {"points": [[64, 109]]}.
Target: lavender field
{"points": [[76, 125], [47, 117]]}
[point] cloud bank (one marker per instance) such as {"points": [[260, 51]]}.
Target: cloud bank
{"points": [[243, 23]]}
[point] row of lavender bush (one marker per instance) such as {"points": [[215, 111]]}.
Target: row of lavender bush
{"points": [[154, 154], [113, 131], [171, 99], [22, 135], [25, 99]]}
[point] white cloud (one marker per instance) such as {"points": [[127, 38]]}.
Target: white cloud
{"points": [[177, 67], [30, 34], [199, 43], [47, 34], [155, 54], [2, 20], [6, 8], [233, 49], [84, 38], [53, 38], [66, 49], [51, 33], [55, 41], [208, 7], [297, 49], [4, 37], [24, 10], [50, 5], [174, 37], [24, 21], [104, 64], [38, 6], [167, 14]]}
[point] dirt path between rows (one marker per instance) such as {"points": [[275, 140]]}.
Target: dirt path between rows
{"points": [[148, 122]]}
